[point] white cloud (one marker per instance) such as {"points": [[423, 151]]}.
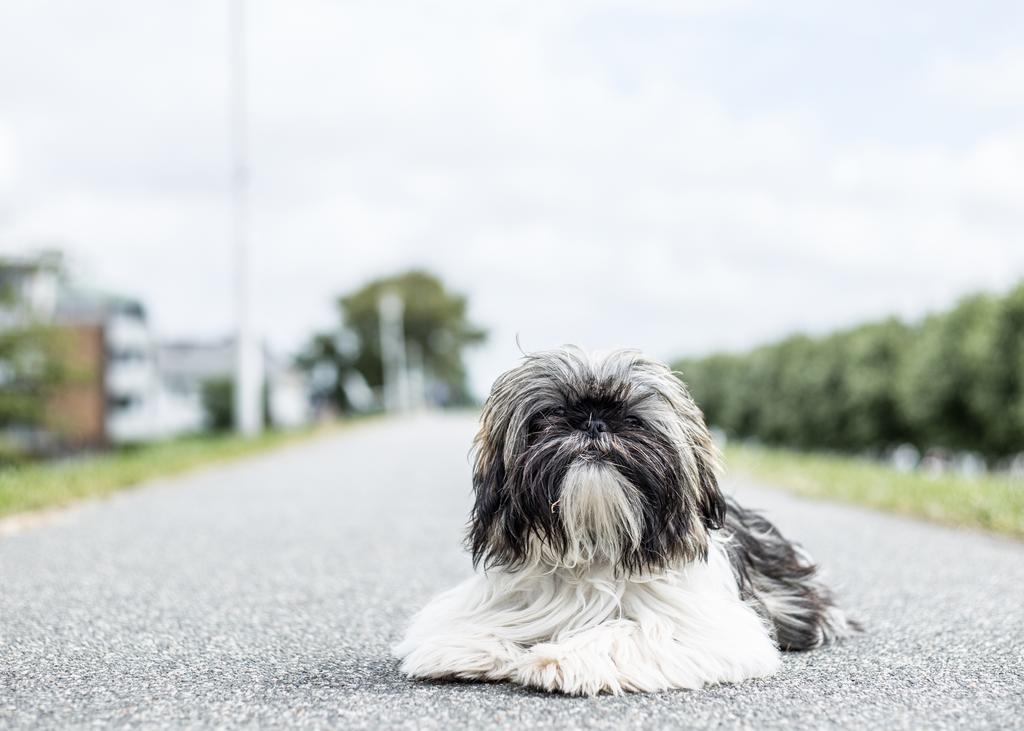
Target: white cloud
{"points": [[574, 195], [8, 163], [992, 80]]}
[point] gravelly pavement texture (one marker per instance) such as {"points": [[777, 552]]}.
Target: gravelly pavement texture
{"points": [[267, 593]]}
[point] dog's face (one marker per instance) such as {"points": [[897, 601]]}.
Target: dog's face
{"points": [[585, 459]]}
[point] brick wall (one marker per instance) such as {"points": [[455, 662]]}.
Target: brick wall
{"points": [[77, 412]]}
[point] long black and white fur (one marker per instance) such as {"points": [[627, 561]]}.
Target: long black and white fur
{"points": [[609, 559]]}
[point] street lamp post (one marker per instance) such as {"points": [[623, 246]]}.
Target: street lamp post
{"points": [[248, 411], [394, 367]]}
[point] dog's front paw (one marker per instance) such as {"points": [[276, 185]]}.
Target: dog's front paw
{"points": [[571, 670], [469, 658]]}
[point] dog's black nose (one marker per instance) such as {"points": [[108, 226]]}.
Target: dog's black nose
{"points": [[595, 426]]}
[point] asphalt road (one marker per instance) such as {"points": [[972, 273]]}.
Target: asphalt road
{"points": [[267, 593]]}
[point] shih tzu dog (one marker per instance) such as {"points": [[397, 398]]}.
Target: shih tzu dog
{"points": [[611, 561]]}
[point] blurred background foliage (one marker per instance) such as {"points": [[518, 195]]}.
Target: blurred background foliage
{"points": [[218, 398], [33, 367], [437, 332], [32, 370], [953, 381]]}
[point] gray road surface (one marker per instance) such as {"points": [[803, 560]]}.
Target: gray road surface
{"points": [[267, 593]]}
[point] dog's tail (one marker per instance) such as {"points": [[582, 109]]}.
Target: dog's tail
{"points": [[781, 581]]}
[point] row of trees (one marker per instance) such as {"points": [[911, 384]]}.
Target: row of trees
{"points": [[954, 380]]}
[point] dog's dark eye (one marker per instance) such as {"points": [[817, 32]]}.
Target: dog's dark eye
{"points": [[632, 421], [541, 417]]}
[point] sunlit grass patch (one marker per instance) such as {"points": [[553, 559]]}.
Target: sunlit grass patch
{"points": [[992, 502], [50, 484]]}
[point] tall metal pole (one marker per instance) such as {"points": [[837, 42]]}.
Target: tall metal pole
{"points": [[248, 411], [390, 308]]}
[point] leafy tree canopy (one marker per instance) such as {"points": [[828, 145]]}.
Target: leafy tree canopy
{"points": [[437, 330]]}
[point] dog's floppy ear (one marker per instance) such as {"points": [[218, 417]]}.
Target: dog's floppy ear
{"points": [[697, 449], [710, 500], [499, 526], [702, 502], [484, 535]]}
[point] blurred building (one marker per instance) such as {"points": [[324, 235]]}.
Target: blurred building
{"points": [[187, 366], [114, 392], [137, 405], [124, 385]]}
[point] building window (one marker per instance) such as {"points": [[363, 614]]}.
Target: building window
{"points": [[122, 401], [125, 355]]}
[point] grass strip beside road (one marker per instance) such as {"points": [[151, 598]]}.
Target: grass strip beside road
{"points": [[991, 502], [42, 485]]}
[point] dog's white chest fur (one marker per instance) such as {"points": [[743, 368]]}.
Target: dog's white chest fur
{"points": [[588, 632]]}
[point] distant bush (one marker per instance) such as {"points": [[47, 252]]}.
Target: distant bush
{"points": [[218, 398], [218, 395], [954, 380]]}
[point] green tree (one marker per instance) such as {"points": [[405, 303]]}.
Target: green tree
{"points": [[32, 369], [436, 326], [996, 395], [30, 372], [873, 357], [714, 379], [329, 358], [939, 385]]}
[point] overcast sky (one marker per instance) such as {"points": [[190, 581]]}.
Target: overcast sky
{"points": [[677, 176]]}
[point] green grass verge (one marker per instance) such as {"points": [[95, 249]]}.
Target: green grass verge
{"points": [[990, 502], [51, 484]]}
